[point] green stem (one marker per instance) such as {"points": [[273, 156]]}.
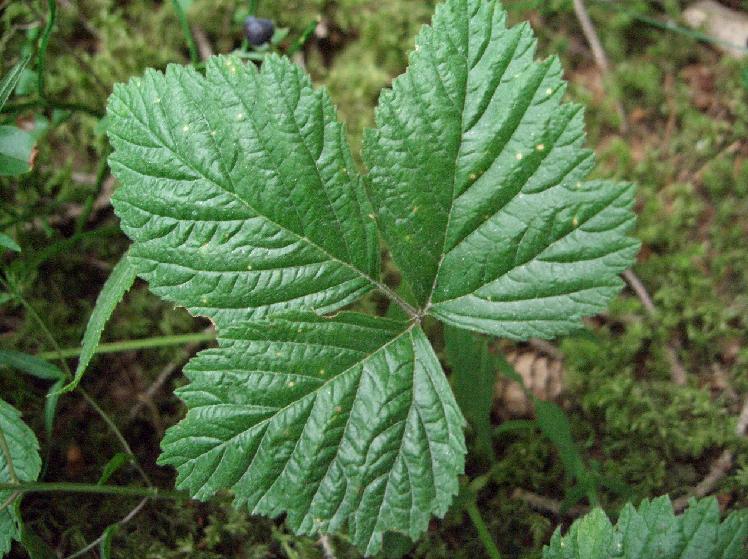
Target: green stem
{"points": [[10, 286], [132, 345], [671, 26], [483, 534], [299, 43], [62, 487], [253, 5], [187, 32], [42, 56], [52, 104]]}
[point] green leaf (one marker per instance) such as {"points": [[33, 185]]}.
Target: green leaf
{"points": [[473, 378], [105, 547], [554, 424], [9, 81], [653, 530], [114, 464], [40, 369], [30, 365], [239, 190], [26, 464], [348, 419], [50, 407], [117, 284], [16, 151], [477, 170], [9, 243]]}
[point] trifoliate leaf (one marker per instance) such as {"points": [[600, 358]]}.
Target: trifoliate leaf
{"points": [[348, 419], [243, 202], [653, 530], [26, 464], [239, 190], [476, 173]]}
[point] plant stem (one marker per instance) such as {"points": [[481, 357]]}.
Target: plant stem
{"points": [[52, 104], [253, 6], [407, 307], [42, 55], [187, 32], [132, 345], [483, 534], [63, 487]]}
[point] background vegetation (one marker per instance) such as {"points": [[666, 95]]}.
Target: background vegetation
{"points": [[639, 433]]}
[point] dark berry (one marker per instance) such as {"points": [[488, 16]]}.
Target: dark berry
{"points": [[259, 31]]}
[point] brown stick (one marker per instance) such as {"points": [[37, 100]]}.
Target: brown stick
{"points": [[203, 43], [327, 549], [546, 504], [598, 53], [677, 371]]}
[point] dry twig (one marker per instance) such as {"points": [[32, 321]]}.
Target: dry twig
{"points": [[203, 43], [327, 549], [598, 53], [546, 504], [677, 370]]}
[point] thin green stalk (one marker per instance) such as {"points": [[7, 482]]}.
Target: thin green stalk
{"points": [[13, 108], [187, 32], [483, 534], [42, 55], [671, 26], [63, 487], [132, 345], [253, 5], [299, 43]]}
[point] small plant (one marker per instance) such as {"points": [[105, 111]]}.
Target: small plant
{"points": [[653, 530], [244, 206]]}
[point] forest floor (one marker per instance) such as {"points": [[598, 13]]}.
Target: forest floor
{"points": [[652, 388]]}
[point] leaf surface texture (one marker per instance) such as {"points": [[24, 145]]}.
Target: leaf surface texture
{"points": [[356, 421], [239, 190], [477, 172]]}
